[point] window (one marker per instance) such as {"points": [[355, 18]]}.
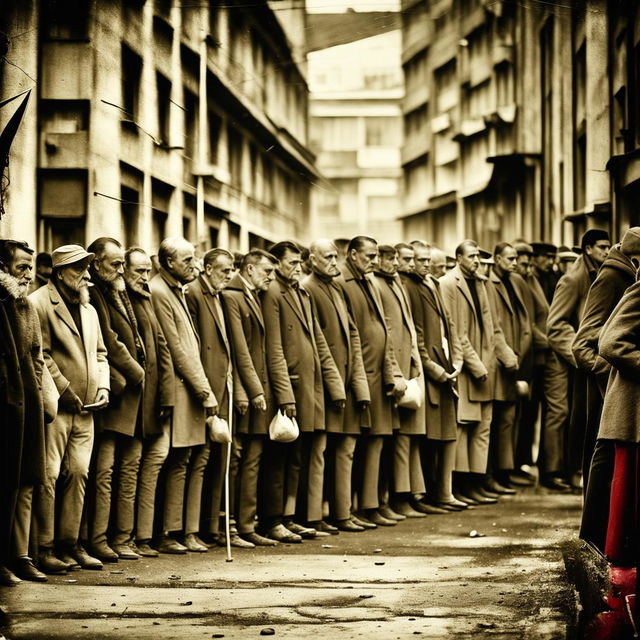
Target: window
{"points": [[190, 124], [446, 87], [215, 126], [234, 141], [65, 20], [63, 193], [383, 132], [131, 72], [64, 116], [130, 212], [579, 128], [164, 108]]}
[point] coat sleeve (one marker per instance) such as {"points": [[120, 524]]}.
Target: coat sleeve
{"points": [[560, 331], [470, 358], [619, 342], [540, 311], [504, 353], [330, 374], [246, 381], [103, 362], [359, 384], [165, 371], [276, 362]]}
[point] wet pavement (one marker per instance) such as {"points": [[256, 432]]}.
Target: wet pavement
{"points": [[494, 572]]}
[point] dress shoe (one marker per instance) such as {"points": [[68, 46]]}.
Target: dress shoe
{"points": [[72, 565], [483, 491], [304, 532], [257, 540], [452, 505], [493, 485], [470, 502], [282, 534], [25, 569], [146, 551], [349, 525], [513, 479], [324, 527], [480, 498], [555, 484], [78, 553], [48, 563], [406, 510], [8, 579], [429, 509], [527, 475], [235, 541], [376, 517], [170, 545], [193, 543], [387, 512], [104, 552], [363, 521], [125, 552]]}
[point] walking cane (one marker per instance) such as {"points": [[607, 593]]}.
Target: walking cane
{"points": [[226, 476]]}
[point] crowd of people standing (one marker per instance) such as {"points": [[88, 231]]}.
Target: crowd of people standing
{"points": [[421, 384]]}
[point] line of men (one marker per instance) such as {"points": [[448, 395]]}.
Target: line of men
{"points": [[416, 388]]}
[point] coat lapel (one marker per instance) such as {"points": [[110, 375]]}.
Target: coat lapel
{"points": [[464, 287], [208, 298], [253, 305], [502, 292], [61, 309], [333, 293], [287, 294]]}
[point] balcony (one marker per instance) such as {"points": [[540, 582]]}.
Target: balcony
{"points": [[415, 97], [416, 145]]}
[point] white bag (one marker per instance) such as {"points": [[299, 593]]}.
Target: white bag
{"points": [[218, 429], [283, 428], [412, 397]]}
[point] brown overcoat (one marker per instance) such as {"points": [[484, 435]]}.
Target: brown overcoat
{"points": [[343, 341]]}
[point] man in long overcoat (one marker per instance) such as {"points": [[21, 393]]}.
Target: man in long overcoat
{"points": [[565, 314], [76, 357], [194, 399], [296, 343], [343, 425], [252, 392], [158, 396], [117, 426], [466, 300], [405, 477], [515, 360], [384, 377], [441, 361]]}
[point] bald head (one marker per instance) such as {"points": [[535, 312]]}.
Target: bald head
{"points": [[177, 256], [323, 255], [438, 266]]}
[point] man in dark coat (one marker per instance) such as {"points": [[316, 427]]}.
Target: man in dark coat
{"points": [[343, 425], [252, 392], [27, 448], [117, 426], [157, 397], [617, 274], [386, 382], [441, 361], [403, 465], [565, 314], [544, 256], [296, 344], [206, 306]]}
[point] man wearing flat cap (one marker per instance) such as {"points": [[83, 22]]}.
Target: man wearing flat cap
{"points": [[565, 314], [544, 255], [76, 357]]}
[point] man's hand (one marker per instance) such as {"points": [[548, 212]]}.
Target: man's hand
{"points": [[339, 404], [69, 401], [211, 411], [483, 377], [165, 413], [399, 387], [289, 410], [102, 399], [259, 402], [242, 407]]}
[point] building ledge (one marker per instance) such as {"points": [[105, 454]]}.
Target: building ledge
{"points": [[594, 209]]}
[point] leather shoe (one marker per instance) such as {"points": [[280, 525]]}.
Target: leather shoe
{"points": [[169, 545], [8, 579], [480, 498], [349, 525], [193, 543], [257, 540], [483, 491], [324, 527], [470, 502], [282, 534], [25, 569], [363, 521], [493, 485], [376, 517], [303, 532], [235, 540], [452, 505], [146, 551], [387, 512], [104, 552], [406, 510], [48, 563], [519, 480], [555, 484], [78, 553], [125, 552], [428, 509]]}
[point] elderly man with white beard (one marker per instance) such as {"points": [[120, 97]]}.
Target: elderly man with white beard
{"points": [[117, 427], [76, 357]]}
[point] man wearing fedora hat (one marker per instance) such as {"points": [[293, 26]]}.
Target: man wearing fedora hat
{"points": [[76, 357]]}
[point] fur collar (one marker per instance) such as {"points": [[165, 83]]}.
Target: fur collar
{"points": [[10, 284]]}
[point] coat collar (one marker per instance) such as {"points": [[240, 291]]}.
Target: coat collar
{"points": [[288, 292], [61, 309], [333, 293]]}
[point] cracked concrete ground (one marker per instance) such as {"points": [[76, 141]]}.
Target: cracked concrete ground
{"points": [[423, 578]]}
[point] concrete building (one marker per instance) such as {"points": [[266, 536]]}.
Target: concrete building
{"points": [[520, 119], [158, 118], [355, 123]]}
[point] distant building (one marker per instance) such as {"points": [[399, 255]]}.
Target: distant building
{"points": [[158, 118], [355, 125], [520, 119]]}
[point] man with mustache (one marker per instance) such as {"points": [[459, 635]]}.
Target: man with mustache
{"points": [[117, 426], [75, 354]]}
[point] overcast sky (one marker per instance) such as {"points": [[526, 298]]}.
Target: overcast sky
{"points": [[337, 6]]}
